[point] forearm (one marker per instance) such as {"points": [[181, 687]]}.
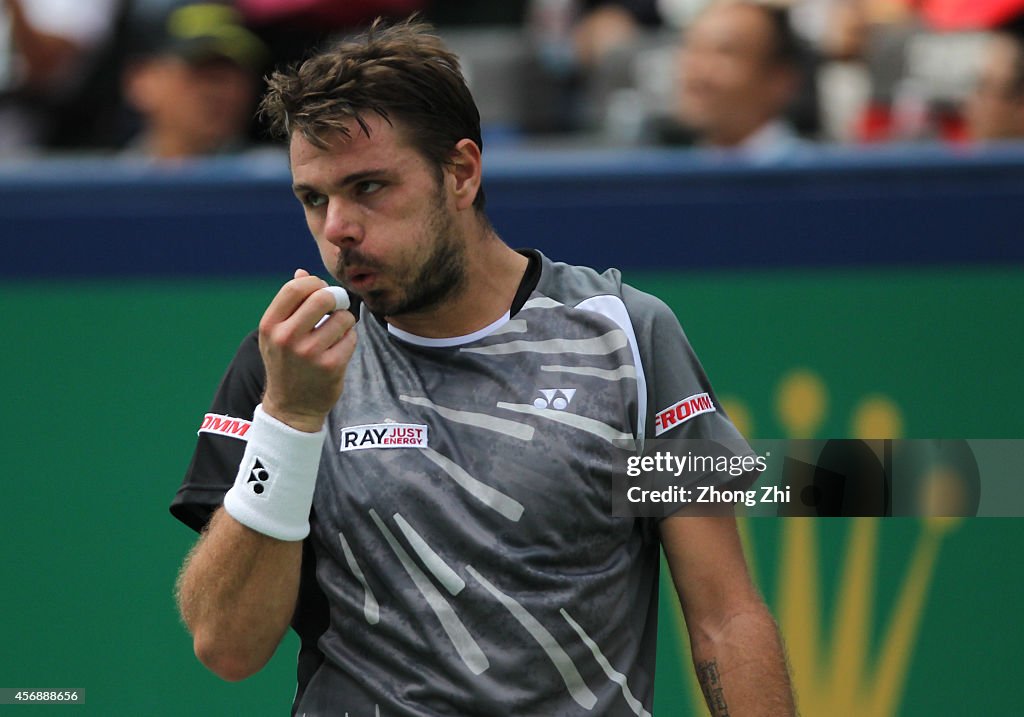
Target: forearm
{"points": [[45, 55], [741, 666], [239, 587], [237, 592]]}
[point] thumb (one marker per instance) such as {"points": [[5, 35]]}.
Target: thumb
{"points": [[300, 273]]}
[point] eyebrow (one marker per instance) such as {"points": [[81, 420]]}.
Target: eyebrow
{"points": [[345, 181]]}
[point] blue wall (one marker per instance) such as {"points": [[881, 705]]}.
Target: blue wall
{"points": [[635, 210]]}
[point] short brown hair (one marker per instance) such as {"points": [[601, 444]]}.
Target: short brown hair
{"points": [[401, 72]]}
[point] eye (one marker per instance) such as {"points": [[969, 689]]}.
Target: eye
{"points": [[369, 187], [314, 199]]}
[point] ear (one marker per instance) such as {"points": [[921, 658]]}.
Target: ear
{"points": [[465, 173]]}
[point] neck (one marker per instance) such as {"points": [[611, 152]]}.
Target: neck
{"points": [[173, 145], [493, 274], [736, 136]]}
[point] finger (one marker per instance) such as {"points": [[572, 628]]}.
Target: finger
{"points": [[330, 346], [299, 273], [341, 302], [341, 298], [314, 309], [340, 353], [331, 329], [290, 297], [297, 329]]}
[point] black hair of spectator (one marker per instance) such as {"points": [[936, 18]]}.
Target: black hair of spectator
{"points": [[92, 116], [788, 49], [793, 53], [644, 12]]}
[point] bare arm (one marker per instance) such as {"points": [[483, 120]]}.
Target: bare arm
{"points": [[737, 651], [238, 589], [236, 593], [45, 55]]}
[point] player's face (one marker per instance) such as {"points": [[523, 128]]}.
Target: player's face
{"points": [[382, 219]]}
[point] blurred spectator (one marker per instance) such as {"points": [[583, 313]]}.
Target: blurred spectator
{"points": [[604, 26], [837, 28], [46, 51], [582, 60], [194, 81], [995, 108], [921, 57], [740, 69], [840, 31]]}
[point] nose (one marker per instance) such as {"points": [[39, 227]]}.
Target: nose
{"points": [[694, 66], [342, 225]]}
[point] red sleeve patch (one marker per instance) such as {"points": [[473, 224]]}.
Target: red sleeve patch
{"points": [[224, 426], [682, 412]]}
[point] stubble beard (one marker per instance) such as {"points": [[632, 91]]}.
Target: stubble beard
{"points": [[437, 278]]}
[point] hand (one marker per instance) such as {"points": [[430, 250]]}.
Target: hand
{"points": [[305, 363]]}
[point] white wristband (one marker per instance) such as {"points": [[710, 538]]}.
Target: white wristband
{"points": [[273, 491]]}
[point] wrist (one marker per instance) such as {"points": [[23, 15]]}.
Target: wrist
{"points": [[305, 422], [273, 489]]}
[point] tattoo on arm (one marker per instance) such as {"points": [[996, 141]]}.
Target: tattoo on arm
{"points": [[711, 685]]}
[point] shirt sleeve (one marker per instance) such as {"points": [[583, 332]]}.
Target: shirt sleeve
{"points": [[221, 440], [680, 400], [683, 415]]}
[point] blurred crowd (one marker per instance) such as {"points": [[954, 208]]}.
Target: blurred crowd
{"points": [[172, 79]]}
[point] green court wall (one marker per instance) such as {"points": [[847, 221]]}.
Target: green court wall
{"points": [[104, 384]]}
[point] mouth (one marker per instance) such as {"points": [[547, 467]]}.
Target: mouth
{"points": [[698, 90], [360, 280]]}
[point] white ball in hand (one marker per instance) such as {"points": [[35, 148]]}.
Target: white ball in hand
{"points": [[341, 301]]}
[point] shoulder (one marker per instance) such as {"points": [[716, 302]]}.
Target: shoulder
{"points": [[574, 285], [585, 289], [570, 284]]}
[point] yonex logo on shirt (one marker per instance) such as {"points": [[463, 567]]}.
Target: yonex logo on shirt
{"points": [[384, 435], [556, 398], [682, 412]]}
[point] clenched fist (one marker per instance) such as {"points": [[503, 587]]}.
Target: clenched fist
{"points": [[304, 354]]}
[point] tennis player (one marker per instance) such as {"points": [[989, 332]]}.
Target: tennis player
{"points": [[421, 485]]}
